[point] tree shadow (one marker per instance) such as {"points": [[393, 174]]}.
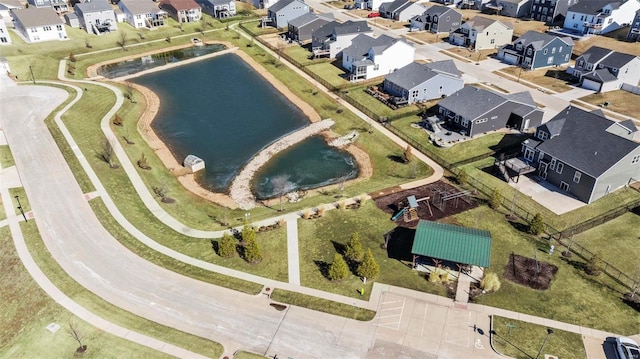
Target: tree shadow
{"points": [[510, 143], [339, 247], [582, 266], [323, 267], [519, 226], [396, 158], [215, 245], [399, 243]]}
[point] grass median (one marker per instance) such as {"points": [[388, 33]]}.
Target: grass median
{"points": [[322, 305]]}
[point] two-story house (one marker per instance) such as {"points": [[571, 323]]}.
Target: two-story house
{"points": [[423, 82], [550, 11], [369, 57], [283, 11], [535, 50], [605, 70], [333, 37], [600, 16], [511, 8], [218, 8], [584, 153], [634, 28], [60, 6], [6, 6], [96, 16], [5, 38], [474, 111], [182, 10], [142, 13], [301, 28], [400, 10], [373, 5], [482, 33], [38, 24], [437, 19]]}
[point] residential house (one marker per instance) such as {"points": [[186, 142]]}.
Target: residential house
{"points": [[600, 16], [373, 5], [474, 111], [536, 50], [422, 82], [584, 153], [605, 70], [437, 19], [38, 24], [482, 33], [550, 11], [218, 8], [262, 4], [142, 13], [634, 28], [281, 12], [333, 37], [60, 6], [96, 16], [369, 57], [511, 8], [182, 10], [6, 6], [5, 38], [302, 27], [400, 10]]}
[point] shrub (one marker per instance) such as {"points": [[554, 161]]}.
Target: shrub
{"points": [[362, 198], [227, 246], [252, 253], [490, 282], [408, 156], [142, 163], [595, 265], [354, 250], [306, 213], [338, 269], [72, 57], [463, 177], [537, 225], [320, 212], [496, 199], [117, 120], [368, 268]]}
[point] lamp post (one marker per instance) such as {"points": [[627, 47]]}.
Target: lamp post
{"points": [[247, 217], [33, 78], [549, 332], [20, 209]]}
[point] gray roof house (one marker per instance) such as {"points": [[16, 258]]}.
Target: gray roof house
{"points": [[39, 24], [142, 13], [6, 6], [600, 16], [511, 8], [301, 28], [60, 6], [332, 38], [482, 33], [585, 154], [551, 11], [218, 8], [400, 10], [475, 111], [283, 11], [437, 19], [634, 28], [603, 70], [422, 82], [96, 16], [535, 50], [370, 57]]}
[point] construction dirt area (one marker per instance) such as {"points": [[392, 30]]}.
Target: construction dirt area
{"points": [[434, 201]]}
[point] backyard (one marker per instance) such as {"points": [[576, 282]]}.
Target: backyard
{"points": [[620, 101], [555, 79]]}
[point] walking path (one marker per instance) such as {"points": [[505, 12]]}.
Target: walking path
{"points": [[293, 254]]}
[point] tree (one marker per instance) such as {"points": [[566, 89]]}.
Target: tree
{"points": [[123, 40], [368, 268], [338, 269], [463, 177], [78, 336], [595, 265], [354, 250], [227, 246], [490, 282], [496, 199], [252, 253], [107, 153], [408, 156], [142, 162], [537, 225]]}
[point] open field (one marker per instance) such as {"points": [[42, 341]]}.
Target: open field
{"points": [[553, 79], [514, 337], [520, 26], [620, 101], [427, 37]]}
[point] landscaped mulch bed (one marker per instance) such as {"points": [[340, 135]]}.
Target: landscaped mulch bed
{"points": [[522, 270]]}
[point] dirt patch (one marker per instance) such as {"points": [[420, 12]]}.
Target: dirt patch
{"points": [[394, 202], [524, 271]]}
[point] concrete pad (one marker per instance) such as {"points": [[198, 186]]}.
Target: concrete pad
{"points": [[551, 197]]}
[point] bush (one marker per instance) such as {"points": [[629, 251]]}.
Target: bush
{"points": [[595, 265], [463, 177], [117, 120], [354, 250], [408, 156], [252, 253], [537, 225], [227, 246], [142, 163], [496, 199], [490, 282], [368, 268], [338, 269]]}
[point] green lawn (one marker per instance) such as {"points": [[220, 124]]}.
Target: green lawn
{"points": [[330, 72], [322, 305], [247, 355], [618, 242], [6, 159], [515, 337], [321, 238], [359, 95], [574, 297]]}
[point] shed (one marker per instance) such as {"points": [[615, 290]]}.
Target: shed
{"points": [[72, 20], [448, 242], [193, 163]]}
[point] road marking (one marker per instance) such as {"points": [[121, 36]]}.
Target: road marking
{"points": [[479, 344], [424, 319]]}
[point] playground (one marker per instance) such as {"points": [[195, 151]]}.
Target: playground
{"points": [[431, 202]]}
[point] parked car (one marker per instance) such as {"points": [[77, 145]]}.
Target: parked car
{"points": [[374, 14], [627, 348], [349, 7]]}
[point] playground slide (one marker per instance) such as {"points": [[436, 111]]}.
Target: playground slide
{"points": [[397, 215]]}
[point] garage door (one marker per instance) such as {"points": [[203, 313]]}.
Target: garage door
{"points": [[591, 85], [511, 59]]}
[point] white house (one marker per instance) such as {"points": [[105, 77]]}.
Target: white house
{"points": [[5, 39], [96, 16], [333, 37], [600, 16], [369, 57], [6, 6], [401, 10], [373, 5], [142, 13], [36, 25]]}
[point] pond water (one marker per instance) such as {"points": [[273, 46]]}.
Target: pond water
{"points": [[144, 63], [222, 111]]}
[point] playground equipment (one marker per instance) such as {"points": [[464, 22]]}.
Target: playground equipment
{"points": [[441, 197], [410, 212]]}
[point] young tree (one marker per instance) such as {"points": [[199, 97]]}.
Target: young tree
{"points": [[227, 246], [142, 162], [354, 250], [490, 282], [368, 268], [496, 199], [595, 265], [537, 225], [338, 269], [78, 336], [408, 156], [252, 252], [107, 153]]}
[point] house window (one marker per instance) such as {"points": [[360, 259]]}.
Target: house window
{"points": [[553, 51], [559, 167], [550, 60], [564, 186], [542, 135], [34, 30], [529, 51], [493, 41], [576, 177], [414, 93], [575, 26], [635, 159], [376, 67], [440, 91], [552, 165], [560, 50], [546, 51], [59, 27]]}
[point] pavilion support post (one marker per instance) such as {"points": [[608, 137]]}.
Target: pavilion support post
{"points": [[414, 261]]}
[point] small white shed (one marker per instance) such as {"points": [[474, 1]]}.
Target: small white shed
{"points": [[193, 163]]}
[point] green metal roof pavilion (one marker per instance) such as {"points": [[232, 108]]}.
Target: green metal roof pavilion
{"points": [[452, 243]]}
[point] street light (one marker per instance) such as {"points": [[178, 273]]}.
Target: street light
{"points": [[247, 217], [549, 332], [20, 208]]}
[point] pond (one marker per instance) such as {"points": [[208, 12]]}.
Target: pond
{"points": [[222, 111]]}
